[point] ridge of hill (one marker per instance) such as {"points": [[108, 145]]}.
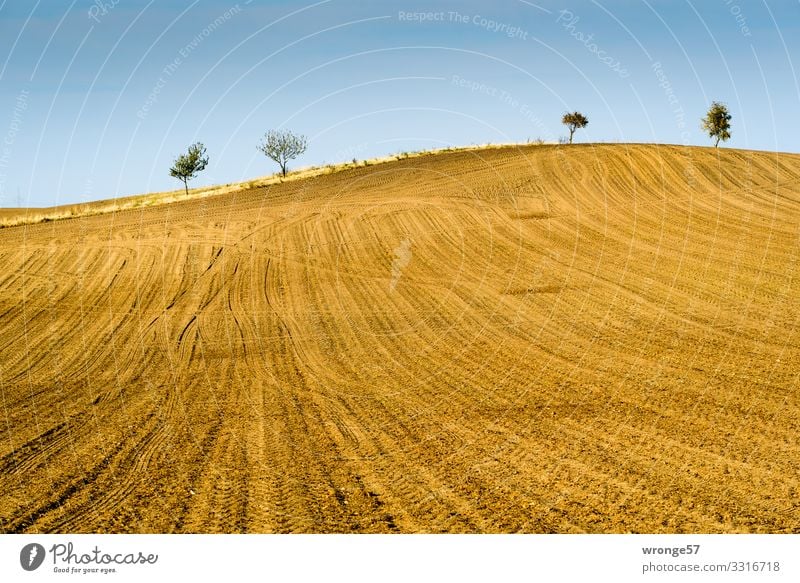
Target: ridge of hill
{"points": [[12, 217]]}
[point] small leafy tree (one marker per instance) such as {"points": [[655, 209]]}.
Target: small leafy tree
{"points": [[574, 121], [282, 146], [717, 122], [186, 166]]}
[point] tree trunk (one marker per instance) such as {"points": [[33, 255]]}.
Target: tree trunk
{"points": [[570, 135], [717, 144], [186, 186], [283, 169]]}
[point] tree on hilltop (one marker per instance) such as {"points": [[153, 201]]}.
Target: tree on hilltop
{"points": [[282, 146], [717, 122], [186, 166], [574, 121]]}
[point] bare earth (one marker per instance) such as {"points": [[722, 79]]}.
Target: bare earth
{"points": [[596, 338]]}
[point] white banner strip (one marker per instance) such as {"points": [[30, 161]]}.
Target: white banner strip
{"points": [[373, 558]]}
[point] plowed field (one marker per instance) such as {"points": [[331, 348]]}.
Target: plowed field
{"points": [[543, 339]]}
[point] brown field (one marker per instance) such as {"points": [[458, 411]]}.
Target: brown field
{"points": [[593, 338]]}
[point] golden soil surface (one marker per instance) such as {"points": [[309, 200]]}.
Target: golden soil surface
{"points": [[594, 338]]}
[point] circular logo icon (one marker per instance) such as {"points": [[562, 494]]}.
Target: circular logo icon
{"points": [[31, 556]]}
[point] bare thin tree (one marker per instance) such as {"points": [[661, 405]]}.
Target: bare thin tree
{"points": [[282, 146]]}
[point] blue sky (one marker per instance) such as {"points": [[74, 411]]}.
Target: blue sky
{"points": [[98, 97]]}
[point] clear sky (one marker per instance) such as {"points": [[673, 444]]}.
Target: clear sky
{"points": [[98, 97]]}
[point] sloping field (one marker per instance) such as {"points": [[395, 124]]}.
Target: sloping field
{"points": [[548, 339]]}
